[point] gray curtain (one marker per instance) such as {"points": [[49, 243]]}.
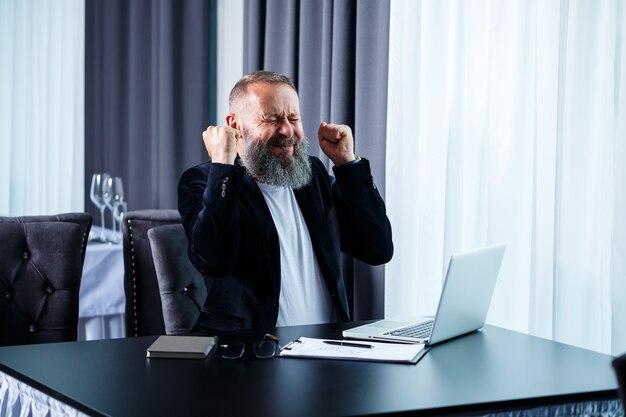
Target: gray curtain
{"points": [[149, 93], [337, 54]]}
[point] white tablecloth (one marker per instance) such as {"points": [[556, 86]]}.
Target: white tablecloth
{"points": [[18, 399], [101, 302]]}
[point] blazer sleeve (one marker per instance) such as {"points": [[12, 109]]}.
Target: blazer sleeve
{"points": [[364, 227], [207, 197]]}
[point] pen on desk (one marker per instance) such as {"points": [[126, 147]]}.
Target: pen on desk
{"points": [[358, 345], [289, 345]]}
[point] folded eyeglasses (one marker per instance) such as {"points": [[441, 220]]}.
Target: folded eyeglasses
{"points": [[262, 349]]}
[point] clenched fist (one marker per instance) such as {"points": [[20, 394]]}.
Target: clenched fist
{"points": [[221, 143], [336, 142]]}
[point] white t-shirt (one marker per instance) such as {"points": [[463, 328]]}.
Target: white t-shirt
{"points": [[304, 297]]}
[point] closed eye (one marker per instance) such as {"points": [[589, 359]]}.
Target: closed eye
{"points": [[275, 120]]}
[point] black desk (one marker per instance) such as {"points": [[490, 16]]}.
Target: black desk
{"points": [[493, 369]]}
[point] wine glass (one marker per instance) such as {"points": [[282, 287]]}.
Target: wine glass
{"points": [[112, 193], [119, 210], [96, 194]]}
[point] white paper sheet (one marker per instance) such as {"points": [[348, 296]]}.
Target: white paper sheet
{"points": [[306, 347]]}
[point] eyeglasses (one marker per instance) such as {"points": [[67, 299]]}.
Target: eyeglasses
{"points": [[263, 349]]}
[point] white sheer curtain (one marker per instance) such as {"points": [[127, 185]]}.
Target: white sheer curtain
{"points": [[229, 52], [41, 106], [507, 123]]}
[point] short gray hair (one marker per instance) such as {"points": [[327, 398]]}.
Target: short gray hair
{"points": [[257, 77]]}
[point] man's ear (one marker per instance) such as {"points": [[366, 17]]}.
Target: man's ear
{"points": [[231, 121]]}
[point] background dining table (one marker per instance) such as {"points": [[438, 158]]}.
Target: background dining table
{"points": [[102, 300]]}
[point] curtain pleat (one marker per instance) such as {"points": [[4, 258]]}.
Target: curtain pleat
{"points": [[148, 82], [506, 123], [41, 106]]}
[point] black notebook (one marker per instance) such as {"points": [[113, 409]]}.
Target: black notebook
{"points": [[182, 347]]}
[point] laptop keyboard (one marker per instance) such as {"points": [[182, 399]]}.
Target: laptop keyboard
{"points": [[420, 330]]}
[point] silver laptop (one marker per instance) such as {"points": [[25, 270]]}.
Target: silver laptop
{"points": [[463, 304]]}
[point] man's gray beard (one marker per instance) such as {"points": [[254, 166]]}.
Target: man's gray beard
{"points": [[268, 168]]}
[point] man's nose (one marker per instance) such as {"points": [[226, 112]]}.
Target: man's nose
{"points": [[285, 129]]}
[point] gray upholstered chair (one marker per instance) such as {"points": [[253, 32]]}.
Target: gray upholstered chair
{"points": [[143, 313], [40, 271], [619, 364], [182, 287]]}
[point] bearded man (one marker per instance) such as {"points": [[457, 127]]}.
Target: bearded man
{"points": [[266, 222]]}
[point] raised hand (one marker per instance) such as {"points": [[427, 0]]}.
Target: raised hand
{"points": [[221, 143], [336, 142]]}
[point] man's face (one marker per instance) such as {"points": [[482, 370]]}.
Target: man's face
{"points": [[273, 148], [271, 115]]}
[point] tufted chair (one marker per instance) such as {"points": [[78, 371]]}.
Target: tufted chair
{"points": [[182, 287], [143, 303], [41, 266], [619, 365]]}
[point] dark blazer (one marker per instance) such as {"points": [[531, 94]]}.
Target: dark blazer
{"points": [[234, 243]]}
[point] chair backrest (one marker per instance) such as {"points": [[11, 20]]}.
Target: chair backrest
{"points": [[182, 287], [619, 364], [143, 314], [40, 271]]}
